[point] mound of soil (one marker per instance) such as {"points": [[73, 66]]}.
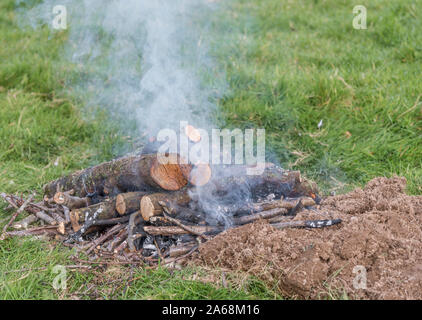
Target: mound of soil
{"points": [[380, 239]]}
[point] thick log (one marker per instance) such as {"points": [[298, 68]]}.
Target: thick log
{"points": [[273, 180], [150, 204], [133, 173], [171, 231], [129, 202], [72, 202], [100, 211]]}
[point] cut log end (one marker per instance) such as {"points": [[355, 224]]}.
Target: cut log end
{"points": [[200, 175], [169, 172], [150, 204], [120, 204], [192, 133], [128, 202], [149, 209]]}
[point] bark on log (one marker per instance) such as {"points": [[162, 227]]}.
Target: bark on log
{"points": [[24, 223], [46, 218], [287, 204], [260, 215], [273, 180], [100, 211], [72, 202], [177, 251], [150, 205], [186, 214], [133, 173], [171, 231], [128, 202], [110, 222]]}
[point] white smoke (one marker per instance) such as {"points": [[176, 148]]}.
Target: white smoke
{"points": [[147, 63], [144, 61]]}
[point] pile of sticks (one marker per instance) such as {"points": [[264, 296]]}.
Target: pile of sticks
{"points": [[138, 210]]}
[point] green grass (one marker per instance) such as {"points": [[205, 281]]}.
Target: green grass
{"points": [[300, 62], [289, 65]]}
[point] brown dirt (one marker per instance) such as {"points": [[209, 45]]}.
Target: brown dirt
{"points": [[381, 231]]}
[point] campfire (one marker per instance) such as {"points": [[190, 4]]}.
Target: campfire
{"points": [[139, 209]]}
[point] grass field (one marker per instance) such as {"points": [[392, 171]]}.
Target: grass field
{"points": [[289, 65]]}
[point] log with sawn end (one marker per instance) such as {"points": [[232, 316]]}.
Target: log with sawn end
{"points": [[72, 202], [286, 204], [150, 204], [100, 211], [133, 173], [129, 202]]}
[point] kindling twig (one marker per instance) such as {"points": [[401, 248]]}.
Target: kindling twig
{"points": [[105, 237], [22, 207], [30, 232], [181, 225]]}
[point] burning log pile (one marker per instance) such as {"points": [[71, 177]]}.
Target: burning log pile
{"points": [[138, 210]]}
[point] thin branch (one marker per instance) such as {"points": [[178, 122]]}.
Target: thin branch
{"points": [[14, 216]]}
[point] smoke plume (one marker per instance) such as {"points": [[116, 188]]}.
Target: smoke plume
{"points": [[145, 62]]}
